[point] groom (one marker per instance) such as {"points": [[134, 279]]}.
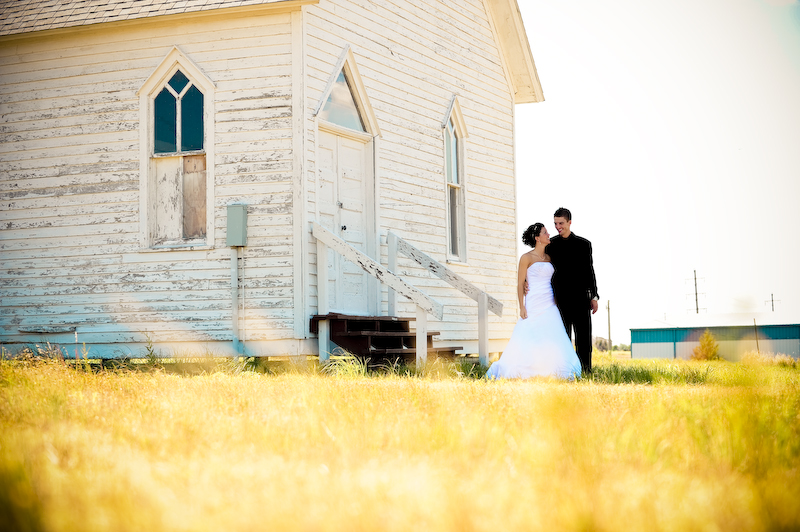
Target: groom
{"points": [[574, 284]]}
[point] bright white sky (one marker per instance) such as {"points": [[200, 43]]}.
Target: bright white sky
{"points": [[671, 130]]}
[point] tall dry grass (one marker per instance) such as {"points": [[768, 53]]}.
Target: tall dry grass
{"points": [[354, 449], [755, 358]]}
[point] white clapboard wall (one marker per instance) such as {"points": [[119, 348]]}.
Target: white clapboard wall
{"points": [[413, 56], [71, 247]]}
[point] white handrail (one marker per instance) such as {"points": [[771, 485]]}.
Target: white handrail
{"points": [[444, 273], [484, 300], [326, 239], [377, 270]]}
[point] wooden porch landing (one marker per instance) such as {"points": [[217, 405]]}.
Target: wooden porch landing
{"points": [[378, 337]]}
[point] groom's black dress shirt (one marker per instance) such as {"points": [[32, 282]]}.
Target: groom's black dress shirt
{"points": [[574, 281]]}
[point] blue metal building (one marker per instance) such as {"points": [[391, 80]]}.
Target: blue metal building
{"points": [[734, 341]]}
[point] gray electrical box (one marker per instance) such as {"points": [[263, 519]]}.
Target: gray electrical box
{"points": [[237, 225]]}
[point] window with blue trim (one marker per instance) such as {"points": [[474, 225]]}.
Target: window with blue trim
{"points": [[179, 163]]}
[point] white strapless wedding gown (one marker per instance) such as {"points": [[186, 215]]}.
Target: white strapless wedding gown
{"points": [[539, 344]]}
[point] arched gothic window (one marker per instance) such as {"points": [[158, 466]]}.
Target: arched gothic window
{"points": [[455, 131], [177, 112]]}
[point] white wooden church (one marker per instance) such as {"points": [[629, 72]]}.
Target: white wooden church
{"points": [[176, 170]]}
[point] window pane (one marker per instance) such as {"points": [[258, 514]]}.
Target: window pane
{"points": [[451, 156], [165, 130], [167, 185], [192, 120], [452, 153], [194, 196], [448, 160], [178, 81], [453, 208], [341, 108]]}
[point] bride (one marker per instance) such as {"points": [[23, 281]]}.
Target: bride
{"points": [[539, 344]]}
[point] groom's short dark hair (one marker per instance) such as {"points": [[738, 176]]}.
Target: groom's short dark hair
{"points": [[563, 213]]}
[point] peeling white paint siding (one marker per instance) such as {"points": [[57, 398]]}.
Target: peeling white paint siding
{"points": [[413, 56], [69, 184], [71, 250]]}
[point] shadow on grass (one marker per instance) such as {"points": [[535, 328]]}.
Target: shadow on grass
{"points": [[753, 370], [650, 373], [20, 508], [345, 365]]}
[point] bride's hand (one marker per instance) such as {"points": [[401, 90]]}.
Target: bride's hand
{"points": [[523, 313]]}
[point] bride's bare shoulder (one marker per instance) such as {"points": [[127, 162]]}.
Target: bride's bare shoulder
{"points": [[526, 259]]}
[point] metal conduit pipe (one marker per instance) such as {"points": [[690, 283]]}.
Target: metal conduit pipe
{"points": [[236, 237]]}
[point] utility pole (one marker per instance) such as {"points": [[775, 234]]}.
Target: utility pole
{"points": [[755, 327], [696, 293], [772, 301], [610, 345]]}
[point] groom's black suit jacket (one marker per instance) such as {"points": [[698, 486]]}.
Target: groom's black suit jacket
{"points": [[574, 282]]}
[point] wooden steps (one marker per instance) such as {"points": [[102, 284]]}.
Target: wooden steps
{"points": [[378, 337]]}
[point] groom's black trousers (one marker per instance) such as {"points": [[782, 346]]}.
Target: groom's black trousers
{"points": [[577, 316]]}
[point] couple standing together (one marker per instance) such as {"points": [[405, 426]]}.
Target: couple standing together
{"points": [[557, 291]]}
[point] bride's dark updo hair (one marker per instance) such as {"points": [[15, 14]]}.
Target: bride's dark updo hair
{"points": [[530, 234]]}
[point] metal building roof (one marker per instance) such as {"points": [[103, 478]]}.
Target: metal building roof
{"points": [[741, 319], [725, 333]]}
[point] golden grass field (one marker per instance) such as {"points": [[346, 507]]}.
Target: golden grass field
{"points": [[645, 445]]}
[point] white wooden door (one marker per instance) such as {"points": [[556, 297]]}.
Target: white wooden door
{"points": [[344, 186]]}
